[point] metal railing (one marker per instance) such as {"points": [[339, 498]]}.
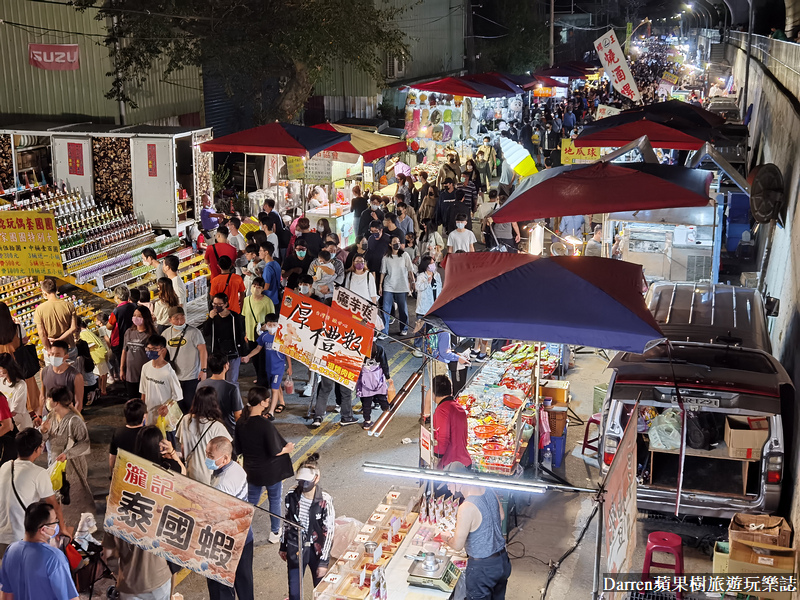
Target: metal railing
{"points": [[781, 58]]}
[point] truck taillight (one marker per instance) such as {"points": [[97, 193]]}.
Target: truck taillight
{"points": [[610, 449], [774, 468]]}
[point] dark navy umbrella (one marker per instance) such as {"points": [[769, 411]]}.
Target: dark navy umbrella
{"points": [[277, 138]]}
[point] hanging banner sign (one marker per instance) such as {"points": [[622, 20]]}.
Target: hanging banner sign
{"points": [[318, 170], [75, 158], [671, 77], [152, 168], [325, 339], [273, 168], [616, 65], [368, 175], [544, 92], [295, 167], [362, 309], [570, 155], [54, 57], [628, 33], [29, 244], [188, 523], [619, 504], [603, 111]]}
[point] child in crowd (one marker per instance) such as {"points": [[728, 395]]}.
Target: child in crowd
{"points": [[249, 270], [85, 366], [275, 364], [99, 353], [373, 384], [411, 248], [134, 295], [101, 321], [324, 277], [158, 383], [144, 297], [304, 285]]}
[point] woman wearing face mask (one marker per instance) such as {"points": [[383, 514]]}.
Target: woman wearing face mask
{"points": [[266, 455], [12, 336], [296, 264], [361, 281], [309, 506], [14, 388], [471, 169], [430, 241], [427, 208], [133, 350], [200, 426], [428, 286], [397, 280], [68, 439], [359, 249], [451, 169]]}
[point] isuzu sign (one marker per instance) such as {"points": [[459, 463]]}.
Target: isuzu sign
{"points": [[54, 57]]}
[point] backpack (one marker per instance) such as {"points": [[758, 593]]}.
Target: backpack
{"points": [[701, 430], [371, 381]]}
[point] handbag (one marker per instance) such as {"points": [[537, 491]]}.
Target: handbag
{"points": [[71, 441], [27, 359]]}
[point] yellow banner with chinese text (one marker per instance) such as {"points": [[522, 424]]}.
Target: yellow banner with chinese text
{"points": [[188, 523], [571, 155], [29, 244]]}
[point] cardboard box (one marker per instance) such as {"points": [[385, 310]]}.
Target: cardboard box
{"points": [[722, 553], [752, 558], [557, 390], [742, 440], [775, 531]]}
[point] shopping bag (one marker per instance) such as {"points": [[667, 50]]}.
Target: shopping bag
{"points": [[161, 423], [56, 472], [391, 392], [288, 385]]}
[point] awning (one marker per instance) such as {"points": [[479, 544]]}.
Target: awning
{"points": [[371, 146], [458, 86], [277, 138]]}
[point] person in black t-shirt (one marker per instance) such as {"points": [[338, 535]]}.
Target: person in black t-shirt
{"points": [[124, 438], [372, 213], [225, 334], [459, 207], [311, 238], [446, 197], [151, 445], [391, 229], [296, 263], [377, 246], [357, 206]]}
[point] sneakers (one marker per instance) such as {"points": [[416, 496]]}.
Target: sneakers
{"points": [[338, 408], [307, 392], [316, 423], [404, 332], [350, 421], [417, 353], [274, 538], [366, 425], [482, 357], [473, 353]]}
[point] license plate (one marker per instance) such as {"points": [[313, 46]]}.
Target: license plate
{"points": [[695, 401]]}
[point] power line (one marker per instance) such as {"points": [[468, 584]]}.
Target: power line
{"points": [[28, 29], [123, 10]]}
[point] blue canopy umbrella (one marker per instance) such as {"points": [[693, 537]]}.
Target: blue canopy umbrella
{"points": [[585, 300]]}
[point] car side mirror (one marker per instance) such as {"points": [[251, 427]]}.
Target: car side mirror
{"points": [[773, 306]]}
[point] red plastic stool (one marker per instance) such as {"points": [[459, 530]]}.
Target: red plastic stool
{"points": [[591, 444], [668, 543]]}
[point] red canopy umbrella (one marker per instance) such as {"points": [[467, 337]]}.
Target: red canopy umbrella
{"points": [[363, 143], [604, 187], [277, 138], [458, 86], [562, 71], [494, 79], [661, 135]]}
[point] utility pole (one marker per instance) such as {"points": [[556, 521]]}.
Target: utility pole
{"points": [[469, 38], [552, 32]]}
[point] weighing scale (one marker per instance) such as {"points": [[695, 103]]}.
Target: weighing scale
{"points": [[430, 571]]}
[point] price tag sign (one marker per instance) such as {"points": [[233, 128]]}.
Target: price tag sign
{"points": [[382, 508], [368, 528], [394, 495], [376, 517], [362, 577], [332, 578], [377, 555], [362, 537], [351, 556], [395, 525]]}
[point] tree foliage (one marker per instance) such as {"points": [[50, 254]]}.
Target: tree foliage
{"points": [[519, 41], [254, 46]]}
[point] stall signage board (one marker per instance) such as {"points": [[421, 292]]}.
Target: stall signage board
{"points": [[664, 87], [319, 170], [273, 168], [671, 77], [361, 308], [29, 244], [619, 504], [604, 110], [54, 57], [152, 167], [75, 159], [188, 523], [616, 65], [295, 167], [425, 452], [368, 176], [325, 339], [544, 92], [570, 155]]}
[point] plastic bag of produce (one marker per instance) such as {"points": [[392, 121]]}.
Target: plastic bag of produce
{"points": [[665, 431], [345, 532]]}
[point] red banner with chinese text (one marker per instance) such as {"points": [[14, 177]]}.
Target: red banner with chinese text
{"points": [[54, 57], [29, 244], [75, 158], [327, 340], [186, 522]]}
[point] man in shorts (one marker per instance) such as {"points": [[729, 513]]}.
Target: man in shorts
{"points": [[275, 363]]}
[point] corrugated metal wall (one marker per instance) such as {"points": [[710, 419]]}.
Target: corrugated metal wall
{"points": [[69, 95]]}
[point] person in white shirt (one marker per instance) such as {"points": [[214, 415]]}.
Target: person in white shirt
{"points": [[15, 389], [462, 238], [235, 238], [22, 483], [200, 426], [158, 383], [171, 264], [396, 282], [360, 281]]}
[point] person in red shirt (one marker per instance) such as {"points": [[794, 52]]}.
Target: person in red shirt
{"points": [[218, 250], [229, 283], [449, 425]]}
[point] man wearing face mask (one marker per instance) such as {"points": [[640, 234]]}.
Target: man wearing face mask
{"points": [[462, 238], [373, 213], [61, 373], [460, 207], [224, 331], [296, 264], [551, 142], [377, 246], [187, 353], [33, 569], [449, 170], [158, 384], [229, 477], [446, 197]]}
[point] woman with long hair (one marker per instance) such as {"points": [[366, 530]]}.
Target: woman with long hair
{"points": [[151, 445], [430, 241], [309, 506], [12, 336], [427, 207], [166, 299], [397, 280], [14, 388], [134, 355], [200, 426], [323, 228], [471, 169], [266, 455], [68, 438], [84, 363]]}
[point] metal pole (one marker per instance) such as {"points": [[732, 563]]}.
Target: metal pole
{"points": [[552, 32], [747, 63], [598, 548]]}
